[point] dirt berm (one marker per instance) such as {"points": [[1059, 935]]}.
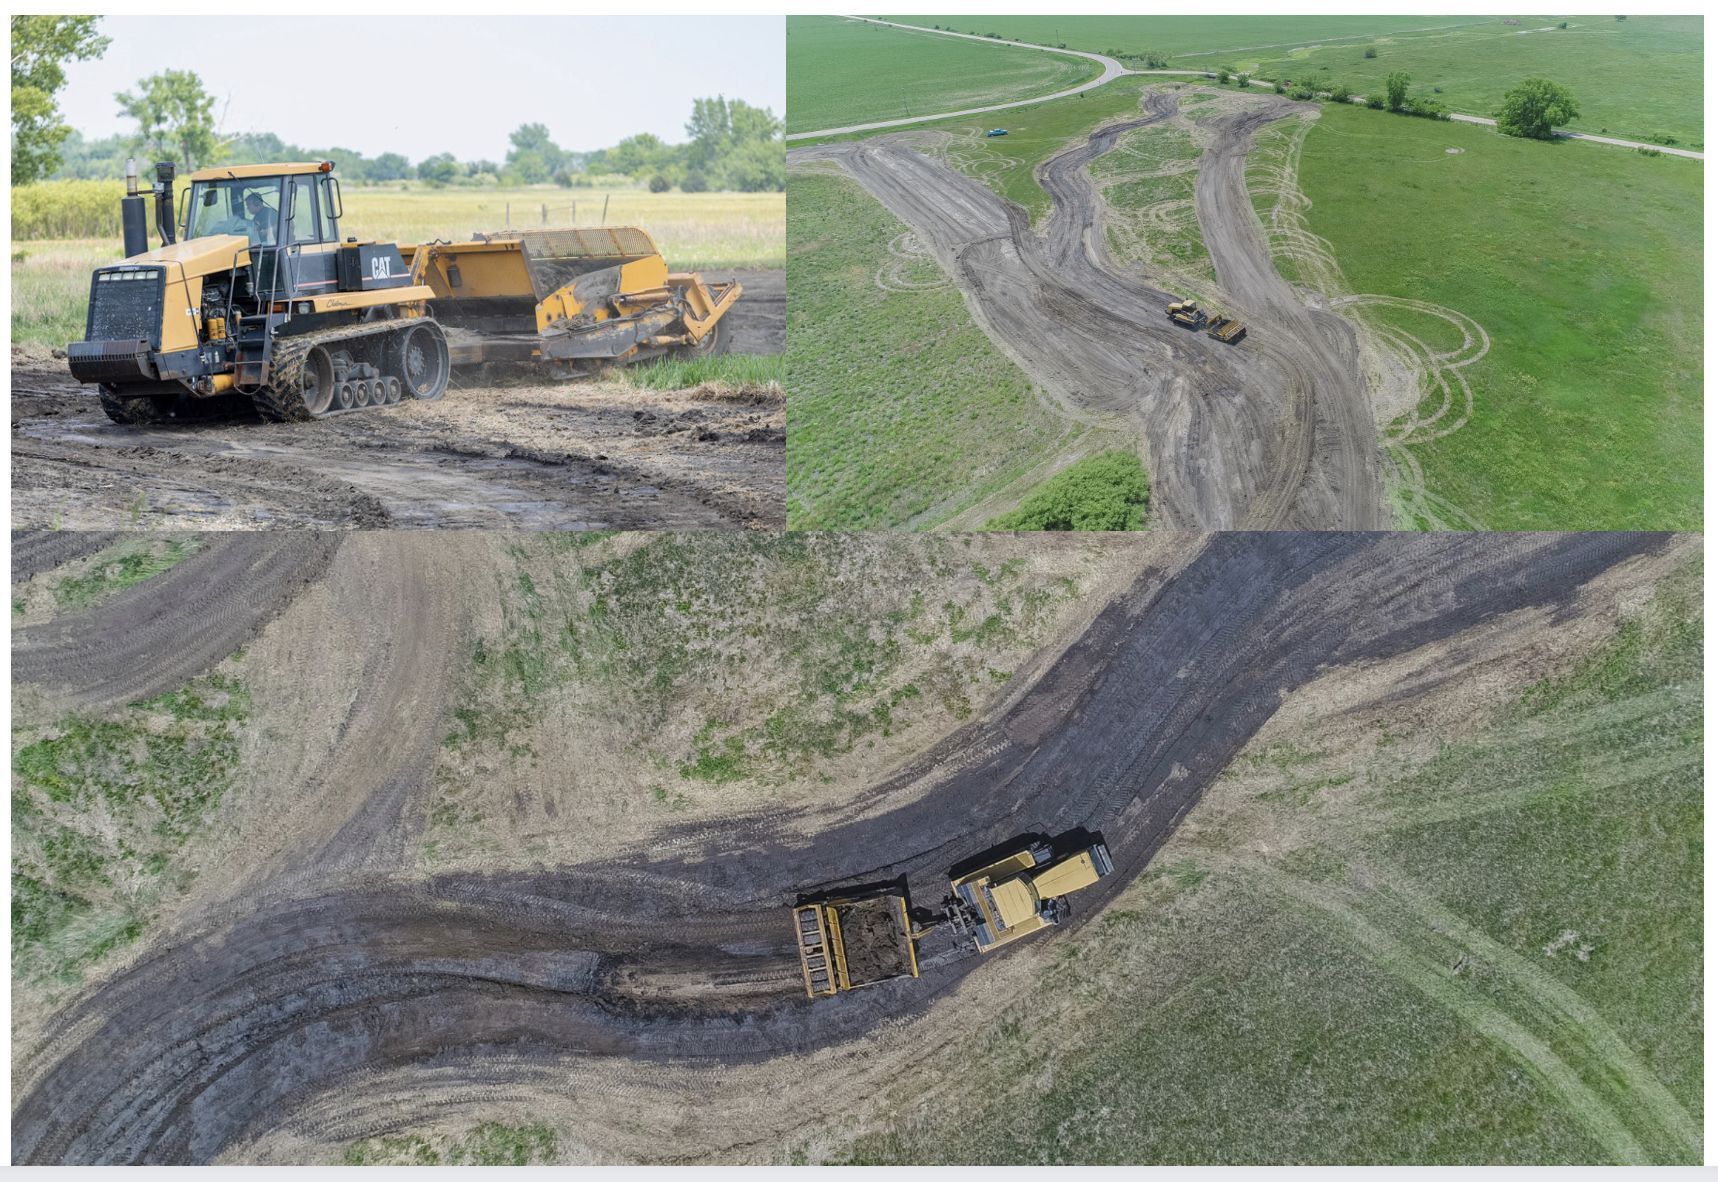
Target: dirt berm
{"points": [[514, 453], [297, 1017]]}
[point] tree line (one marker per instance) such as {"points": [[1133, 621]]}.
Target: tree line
{"points": [[730, 145]]}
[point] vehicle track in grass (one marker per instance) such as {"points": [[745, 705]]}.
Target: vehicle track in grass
{"points": [[1275, 433], [680, 956]]}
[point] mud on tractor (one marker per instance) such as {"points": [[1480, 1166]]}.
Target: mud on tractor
{"points": [[253, 292]]}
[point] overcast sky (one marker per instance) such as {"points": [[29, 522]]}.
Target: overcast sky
{"points": [[434, 84]]}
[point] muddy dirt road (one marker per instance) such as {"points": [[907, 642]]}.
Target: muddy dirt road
{"points": [[590, 454], [679, 955], [1275, 433]]}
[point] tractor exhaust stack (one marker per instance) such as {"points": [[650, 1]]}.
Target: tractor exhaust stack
{"points": [[133, 218]]}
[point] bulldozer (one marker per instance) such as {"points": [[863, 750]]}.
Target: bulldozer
{"points": [[1023, 893], [254, 293]]}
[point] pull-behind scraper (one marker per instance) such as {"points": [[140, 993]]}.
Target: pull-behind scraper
{"points": [[253, 292], [868, 936]]}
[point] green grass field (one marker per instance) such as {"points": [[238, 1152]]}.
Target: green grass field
{"points": [[903, 412], [694, 231], [842, 72], [1583, 264], [1490, 957], [1638, 79], [1177, 35]]}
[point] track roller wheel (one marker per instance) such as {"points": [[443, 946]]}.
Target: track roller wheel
{"points": [[390, 390], [345, 396], [361, 392], [147, 410], [418, 355]]}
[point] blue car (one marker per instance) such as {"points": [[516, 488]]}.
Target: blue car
{"points": [[996, 131]]}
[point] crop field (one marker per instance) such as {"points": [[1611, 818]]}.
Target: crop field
{"points": [[904, 413], [1640, 78], [1378, 951], [697, 231], [842, 72], [1582, 266]]}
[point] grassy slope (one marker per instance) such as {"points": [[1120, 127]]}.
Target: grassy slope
{"points": [[842, 72], [902, 410], [1172, 35], [1637, 78], [1297, 1012], [1582, 263]]}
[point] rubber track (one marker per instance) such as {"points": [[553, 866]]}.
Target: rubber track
{"points": [[282, 401]]}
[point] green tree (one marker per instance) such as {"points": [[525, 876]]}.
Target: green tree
{"points": [[639, 156], [390, 166], [1339, 92], [1535, 107], [439, 170], [759, 166], [41, 47], [534, 157], [1396, 89], [175, 118]]}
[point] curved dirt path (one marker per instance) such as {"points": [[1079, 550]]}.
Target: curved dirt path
{"points": [[494, 982], [159, 634], [1275, 433]]}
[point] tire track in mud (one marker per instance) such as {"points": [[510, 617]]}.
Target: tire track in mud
{"points": [[686, 959], [1275, 433], [37, 550], [164, 631]]}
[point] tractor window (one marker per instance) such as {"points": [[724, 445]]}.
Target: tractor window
{"points": [[330, 207], [303, 227], [250, 207]]}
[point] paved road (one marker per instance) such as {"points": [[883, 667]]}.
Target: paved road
{"points": [[1114, 69]]}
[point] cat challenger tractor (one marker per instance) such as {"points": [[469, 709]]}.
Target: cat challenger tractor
{"points": [[253, 292], [854, 937]]}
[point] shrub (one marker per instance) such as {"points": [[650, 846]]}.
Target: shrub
{"points": [[660, 184], [1371, 53], [1102, 492], [1243, 80], [1339, 92], [1375, 101], [66, 209], [1222, 75], [1302, 91]]}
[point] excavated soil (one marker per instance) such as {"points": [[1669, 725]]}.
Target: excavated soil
{"points": [[655, 997], [1273, 433], [586, 454]]}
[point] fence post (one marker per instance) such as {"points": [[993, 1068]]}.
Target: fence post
{"points": [[605, 198], [545, 213], [509, 215]]}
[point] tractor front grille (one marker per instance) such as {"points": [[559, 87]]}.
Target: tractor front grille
{"points": [[125, 305]]}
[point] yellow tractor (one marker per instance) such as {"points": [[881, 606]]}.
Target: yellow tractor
{"points": [[1187, 314], [1023, 893], [254, 292]]}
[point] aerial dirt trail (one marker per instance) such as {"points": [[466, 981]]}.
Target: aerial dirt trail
{"points": [[157, 635], [1275, 433], [687, 958]]}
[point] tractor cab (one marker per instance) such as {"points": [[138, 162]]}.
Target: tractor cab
{"points": [[270, 204]]}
